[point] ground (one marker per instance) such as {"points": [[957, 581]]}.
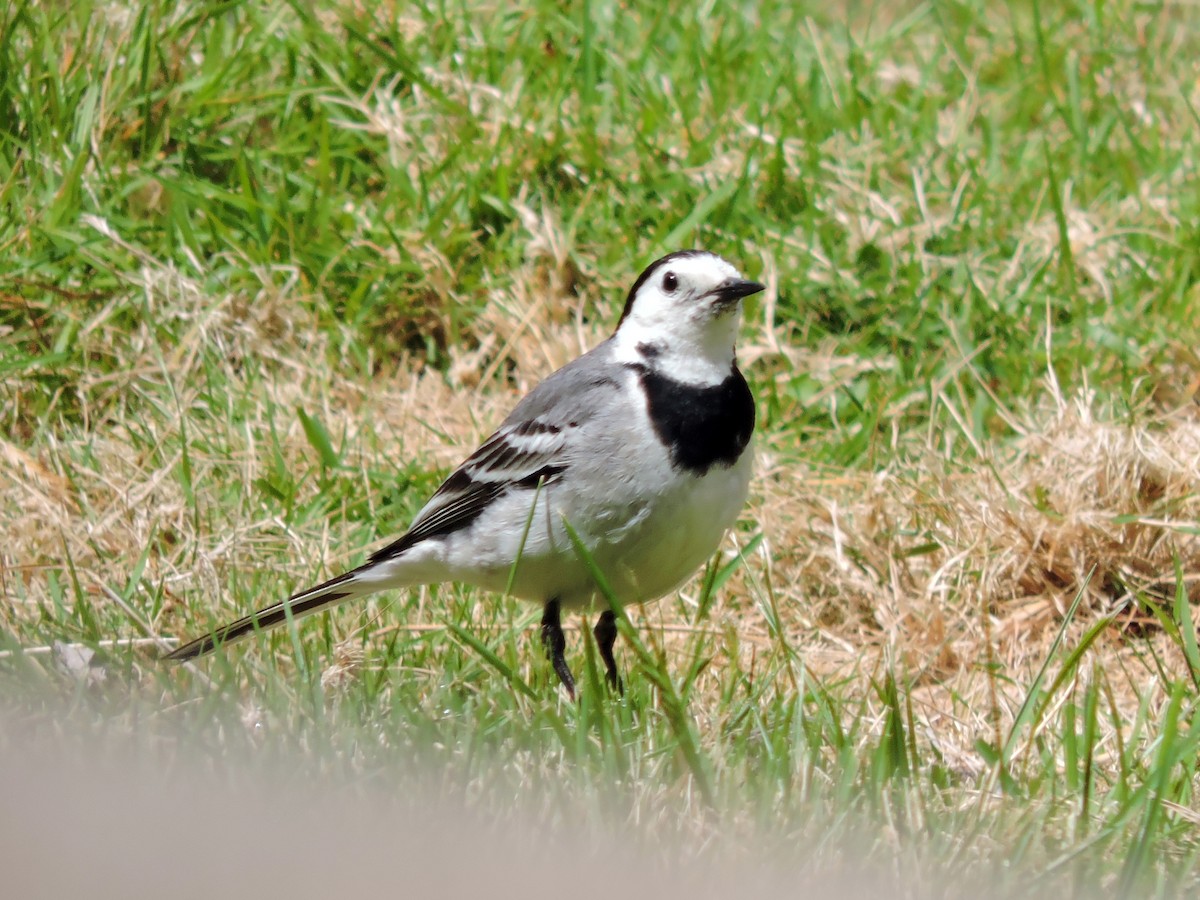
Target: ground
{"points": [[269, 273]]}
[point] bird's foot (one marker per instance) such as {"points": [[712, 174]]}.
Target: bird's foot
{"points": [[555, 643], [605, 633]]}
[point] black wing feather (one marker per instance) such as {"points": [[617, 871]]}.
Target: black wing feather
{"points": [[499, 465]]}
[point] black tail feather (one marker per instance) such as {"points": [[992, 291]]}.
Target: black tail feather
{"points": [[301, 604]]}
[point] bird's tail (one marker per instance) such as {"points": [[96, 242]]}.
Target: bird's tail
{"points": [[335, 590]]}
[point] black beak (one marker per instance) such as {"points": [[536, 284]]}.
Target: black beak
{"points": [[736, 289]]}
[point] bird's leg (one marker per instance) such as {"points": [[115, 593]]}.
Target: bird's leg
{"points": [[606, 635], [555, 643]]}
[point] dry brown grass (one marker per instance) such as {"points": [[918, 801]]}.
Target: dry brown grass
{"points": [[1077, 504]]}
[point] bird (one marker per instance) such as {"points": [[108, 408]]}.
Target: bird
{"points": [[642, 446]]}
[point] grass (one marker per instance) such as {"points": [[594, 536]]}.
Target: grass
{"points": [[267, 268]]}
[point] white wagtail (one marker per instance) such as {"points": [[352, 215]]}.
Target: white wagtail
{"points": [[642, 446]]}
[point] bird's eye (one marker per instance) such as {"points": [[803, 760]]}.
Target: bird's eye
{"points": [[670, 282]]}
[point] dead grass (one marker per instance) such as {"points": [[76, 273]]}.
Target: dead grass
{"points": [[949, 570]]}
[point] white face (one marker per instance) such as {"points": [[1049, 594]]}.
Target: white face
{"points": [[685, 308]]}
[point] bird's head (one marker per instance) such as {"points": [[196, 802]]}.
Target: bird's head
{"points": [[681, 316]]}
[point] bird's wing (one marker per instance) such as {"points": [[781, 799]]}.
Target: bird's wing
{"points": [[532, 447], [523, 454]]}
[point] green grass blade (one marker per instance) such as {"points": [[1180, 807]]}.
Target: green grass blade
{"points": [[318, 439], [1034, 699]]}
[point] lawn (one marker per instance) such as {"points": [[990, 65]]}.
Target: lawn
{"points": [[269, 271]]}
